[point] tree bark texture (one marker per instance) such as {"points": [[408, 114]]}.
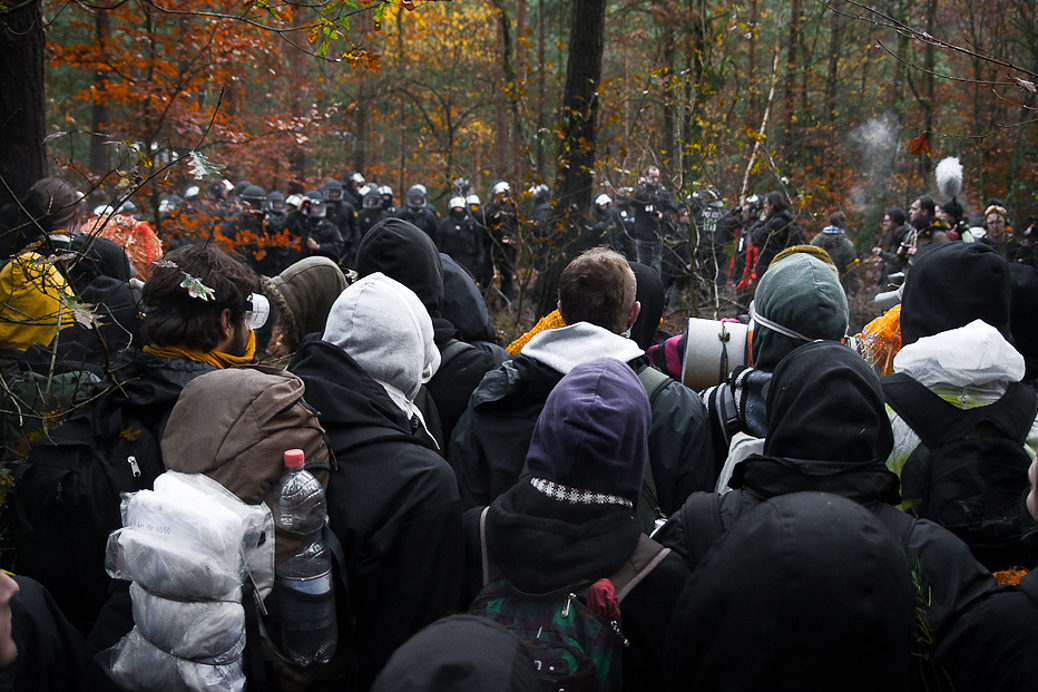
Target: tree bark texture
{"points": [[575, 176], [23, 158]]}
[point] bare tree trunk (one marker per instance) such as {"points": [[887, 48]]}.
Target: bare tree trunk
{"points": [[520, 68], [575, 173], [501, 124], [364, 98], [669, 161], [751, 61], [792, 58], [98, 161], [539, 154], [23, 157], [928, 80], [297, 160], [831, 78]]}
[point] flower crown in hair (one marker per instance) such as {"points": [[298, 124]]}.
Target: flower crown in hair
{"points": [[195, 287]]}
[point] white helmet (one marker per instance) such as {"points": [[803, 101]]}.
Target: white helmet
{"points": [[472, 200], [457, 203], [294, 201], [602, 200], [500, 188]]}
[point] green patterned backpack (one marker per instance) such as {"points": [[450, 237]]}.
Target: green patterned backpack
{"points": [[574, 633]]}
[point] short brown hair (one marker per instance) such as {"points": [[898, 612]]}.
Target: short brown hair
{"points": [[838, 219], [175, 318], [599, 287]]}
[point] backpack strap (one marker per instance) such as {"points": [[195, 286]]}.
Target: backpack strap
{"points": [[701, 517], [646, 556], [490, 570], [900, 523], [452, 350], [937, 421], [654, 381]]}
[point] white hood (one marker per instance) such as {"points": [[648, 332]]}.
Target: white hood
{"points": [[567, 347], [383, 326], [970, 356]]}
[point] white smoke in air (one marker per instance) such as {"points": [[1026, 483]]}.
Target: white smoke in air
{"points": [[875, 145]]}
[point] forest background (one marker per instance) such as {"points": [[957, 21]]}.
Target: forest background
{"points": [[840, 105]]}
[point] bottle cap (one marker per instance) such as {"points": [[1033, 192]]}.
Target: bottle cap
{"points": [[294, 459]]}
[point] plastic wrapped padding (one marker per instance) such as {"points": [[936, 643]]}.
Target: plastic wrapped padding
{"points": [[165, 567], [188, 538], [137, 665], [188, 629]]}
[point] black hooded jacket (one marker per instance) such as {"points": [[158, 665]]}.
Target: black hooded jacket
{"points": [[829, 432], [461, 653], [392, 502], [402, 252], [807, 592]]}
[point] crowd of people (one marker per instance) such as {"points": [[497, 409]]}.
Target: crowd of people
{"points": [[803, 523]]}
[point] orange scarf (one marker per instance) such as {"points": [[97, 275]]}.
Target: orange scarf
{"points": [[215, 358]]}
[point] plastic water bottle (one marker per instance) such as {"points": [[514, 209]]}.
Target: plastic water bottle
{"points": [[305, 603]]}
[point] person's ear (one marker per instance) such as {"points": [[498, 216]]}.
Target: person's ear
{"points": [[558, 305], [226, 328], [635, 309]]}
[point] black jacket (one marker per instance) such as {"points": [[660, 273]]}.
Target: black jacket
{"points": [[829, 432], [490, 441], [771, 237], [392, 502], [471, 652]]}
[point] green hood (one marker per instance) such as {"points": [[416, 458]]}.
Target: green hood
{"points": [[802, 294]]}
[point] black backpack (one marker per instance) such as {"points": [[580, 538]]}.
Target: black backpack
{"points": [[66, 500], [977, 476]]}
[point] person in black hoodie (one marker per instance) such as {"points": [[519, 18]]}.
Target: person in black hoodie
{"points": [[460, 653], [808, 591], [775, 233], [401, 251], [392, 500], [828, 431], [573, 521]]}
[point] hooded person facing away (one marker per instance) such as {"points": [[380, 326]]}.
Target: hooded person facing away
{"points": [[573, 520], [799, 300], [957, 342], [828, 431], [401, 251], [392, 501], [806, 592], [460, 653]]}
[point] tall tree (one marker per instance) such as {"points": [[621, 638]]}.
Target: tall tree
{"points": [[575, 177], [23, 158]]}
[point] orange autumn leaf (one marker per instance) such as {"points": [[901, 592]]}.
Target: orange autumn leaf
{"points": [[920, 145]]}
